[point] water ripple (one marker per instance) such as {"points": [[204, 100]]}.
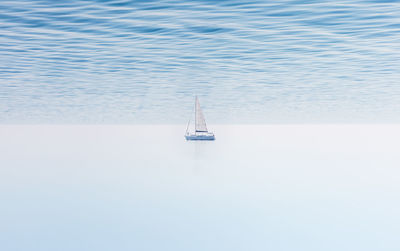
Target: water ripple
{"points": [[143, 61]]}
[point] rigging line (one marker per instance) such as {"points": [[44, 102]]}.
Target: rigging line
{"points": [[187, 127], [195, 114]]}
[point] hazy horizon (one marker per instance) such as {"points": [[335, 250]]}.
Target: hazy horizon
{"points": [[254, 188]]}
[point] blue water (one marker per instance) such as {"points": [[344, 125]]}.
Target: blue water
{"points": [[248, 61]]}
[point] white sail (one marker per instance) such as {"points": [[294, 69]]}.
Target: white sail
{"points": [[201, 132], [200, 121]]}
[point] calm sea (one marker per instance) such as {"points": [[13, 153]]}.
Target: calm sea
{"points": [[261, 188], [126, 61]]}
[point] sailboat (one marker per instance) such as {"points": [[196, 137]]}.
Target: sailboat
{"points": [[201, 132]]}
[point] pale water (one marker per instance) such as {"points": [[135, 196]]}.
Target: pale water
{"points": [[305, 187], [124, 61]]}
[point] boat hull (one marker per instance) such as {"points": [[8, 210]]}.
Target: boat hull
{"points": [[208, 136]]}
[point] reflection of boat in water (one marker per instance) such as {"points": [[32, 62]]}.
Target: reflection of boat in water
{"points": [[201, 132]]}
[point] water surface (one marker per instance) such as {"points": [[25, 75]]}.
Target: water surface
{"points": [[124, 61]]}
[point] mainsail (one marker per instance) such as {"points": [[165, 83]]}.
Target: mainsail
{"points": [[200, 121]]}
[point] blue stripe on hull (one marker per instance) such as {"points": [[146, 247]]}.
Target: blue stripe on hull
{"points": [[199, 137]]}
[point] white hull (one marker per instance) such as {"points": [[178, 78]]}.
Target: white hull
{"points": [[200, 136]]}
